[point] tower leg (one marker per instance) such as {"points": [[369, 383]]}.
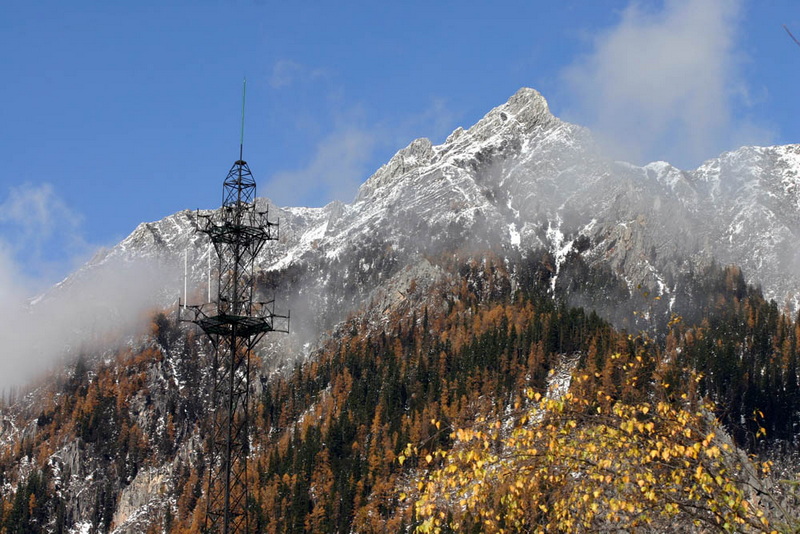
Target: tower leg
{"points": [[228, 445]]}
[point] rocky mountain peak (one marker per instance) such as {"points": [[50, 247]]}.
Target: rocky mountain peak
{"points": [[524, 113], [526, 110], [520, 179]]}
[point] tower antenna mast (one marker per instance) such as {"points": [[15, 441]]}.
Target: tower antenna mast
{"points": [[241, 133], [234, 323]]}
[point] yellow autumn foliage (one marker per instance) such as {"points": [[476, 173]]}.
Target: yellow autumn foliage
{"points": [[575, 464]]}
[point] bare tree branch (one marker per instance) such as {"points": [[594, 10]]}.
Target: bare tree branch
{"points": [[790, 35]]}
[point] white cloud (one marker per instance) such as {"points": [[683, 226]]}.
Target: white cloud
{"points": [[666, 84], [346, 143], [12, 283], [344, 158], [40, 231], [286, 73], [335, 171]]}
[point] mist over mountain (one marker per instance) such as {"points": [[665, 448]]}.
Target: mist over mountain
{"points": [[520, 179]]}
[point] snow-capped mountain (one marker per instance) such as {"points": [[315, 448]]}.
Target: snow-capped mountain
{"points": [[118, 437], [519, 178]]}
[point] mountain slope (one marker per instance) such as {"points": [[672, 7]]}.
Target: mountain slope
{"points": [[117, 445], [518, 179], [439, 292]]}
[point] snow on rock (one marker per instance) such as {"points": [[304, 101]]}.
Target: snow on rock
{"points": [[519, 178], [84, 527]]}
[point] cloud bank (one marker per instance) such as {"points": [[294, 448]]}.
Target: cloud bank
{"points": [[666, 84], [39, 235]]}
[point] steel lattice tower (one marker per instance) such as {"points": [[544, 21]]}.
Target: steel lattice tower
{"points": [[234, 323]]}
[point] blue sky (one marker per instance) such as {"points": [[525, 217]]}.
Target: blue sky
{"points": [[115, 113]]}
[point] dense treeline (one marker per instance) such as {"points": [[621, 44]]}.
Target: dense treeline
{"points": [[377, 391], [327, 433], [747, 352], [360, 404]]}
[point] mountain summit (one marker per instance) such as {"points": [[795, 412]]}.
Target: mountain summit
{"points": [[519, 179]]}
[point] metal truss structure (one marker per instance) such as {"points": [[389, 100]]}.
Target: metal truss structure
{"points": [[234, 323]]}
